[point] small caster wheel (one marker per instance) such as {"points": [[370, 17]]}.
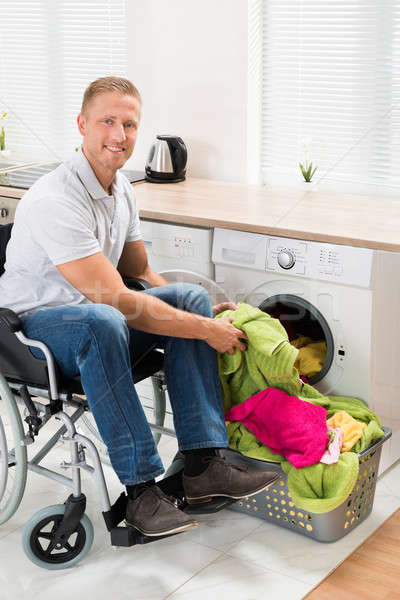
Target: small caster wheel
{"points": [[41, 549]]}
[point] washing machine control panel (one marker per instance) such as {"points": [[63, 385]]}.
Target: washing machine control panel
{"points": [[330, 262], [302, 258], [284, 254]]}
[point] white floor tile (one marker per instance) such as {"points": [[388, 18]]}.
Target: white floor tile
{"points": [[235, 579], [136, 573], [391, 479], [310, 561], [223, 529]]}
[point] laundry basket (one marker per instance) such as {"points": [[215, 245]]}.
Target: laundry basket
{"points": [[276, 506]]}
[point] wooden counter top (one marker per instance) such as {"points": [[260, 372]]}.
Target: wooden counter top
{"points": [[366, 221]]}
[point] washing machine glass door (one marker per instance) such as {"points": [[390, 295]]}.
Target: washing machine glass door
{"points": [[307, 330], [216, 293]]}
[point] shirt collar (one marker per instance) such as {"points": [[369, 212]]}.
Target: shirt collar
{"points": [[88, 177]]}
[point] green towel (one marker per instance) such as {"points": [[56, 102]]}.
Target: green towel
{"points": [[321, 488], [269, 362], [356, 408]]}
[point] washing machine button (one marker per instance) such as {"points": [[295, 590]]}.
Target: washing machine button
{"points": [[286, 259]]}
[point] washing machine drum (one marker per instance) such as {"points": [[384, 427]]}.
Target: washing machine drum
{"points": [[307, 330], [215, 292]]}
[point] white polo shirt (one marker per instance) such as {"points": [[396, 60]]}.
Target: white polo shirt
{"points": [[64, 216]]}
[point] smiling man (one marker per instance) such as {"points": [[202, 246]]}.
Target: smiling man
{"points": [[109, 130], [76, 232]]}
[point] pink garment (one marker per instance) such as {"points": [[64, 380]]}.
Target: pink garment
{"points": [[332, 453], [287, 425]]}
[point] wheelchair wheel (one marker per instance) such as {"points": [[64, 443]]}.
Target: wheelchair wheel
{"points": [[13, 455], [40, 548]]}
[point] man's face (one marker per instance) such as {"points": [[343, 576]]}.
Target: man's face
{"points": [[109, 128]]}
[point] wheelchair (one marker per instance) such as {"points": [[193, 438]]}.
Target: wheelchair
{"points": [[33, 392]]}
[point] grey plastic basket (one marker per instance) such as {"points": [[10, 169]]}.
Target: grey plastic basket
{"points": [[276, 506]]}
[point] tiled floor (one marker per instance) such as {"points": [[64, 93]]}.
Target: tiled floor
{"points": [[230, 556]]}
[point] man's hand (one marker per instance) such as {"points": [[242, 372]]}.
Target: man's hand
{"points": [[224, 337], [219, 308]]}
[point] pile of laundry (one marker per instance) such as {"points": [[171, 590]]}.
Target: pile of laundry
{"points": [[311, 356], [273, 416]]}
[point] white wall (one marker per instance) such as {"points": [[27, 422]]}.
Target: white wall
{"points": [[189, 60]]}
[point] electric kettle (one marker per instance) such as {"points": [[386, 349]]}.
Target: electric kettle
{"points": [[167, 160]]}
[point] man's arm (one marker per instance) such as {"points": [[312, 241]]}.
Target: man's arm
{"points": [[97, 279], [134, 263]]}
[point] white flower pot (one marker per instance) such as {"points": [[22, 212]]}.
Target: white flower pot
{"points": [[5, 153]]}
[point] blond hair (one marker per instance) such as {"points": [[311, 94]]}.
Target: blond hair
{"points": [[109, 84]]}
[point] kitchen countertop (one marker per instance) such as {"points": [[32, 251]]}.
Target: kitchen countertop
{"points": [[365, 221]]}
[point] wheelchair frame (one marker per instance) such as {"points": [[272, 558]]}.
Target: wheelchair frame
{"points": [[38, 414]]}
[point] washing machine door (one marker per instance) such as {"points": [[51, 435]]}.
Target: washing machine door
{"points": [[305, 313], [216, 293]]}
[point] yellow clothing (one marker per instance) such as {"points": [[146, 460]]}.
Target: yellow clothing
{"points": [[352, 430], [311, 356]]}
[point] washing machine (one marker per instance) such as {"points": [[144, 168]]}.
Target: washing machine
{"points": [[182, 254], [179, 254], [344, 296]]}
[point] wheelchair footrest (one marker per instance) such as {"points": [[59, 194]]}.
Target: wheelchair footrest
{"points": [[173, 486], [116, 514], [128, 536], [124, 536], [206, 508]]}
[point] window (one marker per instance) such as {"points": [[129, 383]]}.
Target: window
{"points": [[331, 89], [49, 52]]}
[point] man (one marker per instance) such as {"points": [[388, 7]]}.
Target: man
{"points": [[75, 232]]}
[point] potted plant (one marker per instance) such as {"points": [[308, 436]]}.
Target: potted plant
{"points": [[306, 167], [3, 151]]}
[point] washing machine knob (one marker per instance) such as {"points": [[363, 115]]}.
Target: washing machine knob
{"points": [[286, 259]]}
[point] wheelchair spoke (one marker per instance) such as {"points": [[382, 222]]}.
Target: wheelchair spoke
{"points": [[45, 535], [11, 458], [49, 549]]}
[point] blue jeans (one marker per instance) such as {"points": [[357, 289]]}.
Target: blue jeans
{"points": [[94, 340]]}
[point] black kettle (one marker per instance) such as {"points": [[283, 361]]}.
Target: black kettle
{"points": [[167, 160]]}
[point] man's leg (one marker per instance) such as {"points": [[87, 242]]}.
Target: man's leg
{"points": [[193, 383], [191, 372], [92, 339]]}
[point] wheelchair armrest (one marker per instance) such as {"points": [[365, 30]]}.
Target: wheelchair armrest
{"points": [[10, 319], [136, 283]]}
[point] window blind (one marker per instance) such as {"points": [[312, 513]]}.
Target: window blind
{"points": [[331, 93], [49, 52]]}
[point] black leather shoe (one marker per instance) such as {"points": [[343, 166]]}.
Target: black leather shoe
{"points": [[221, 478], [154, 514]]}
